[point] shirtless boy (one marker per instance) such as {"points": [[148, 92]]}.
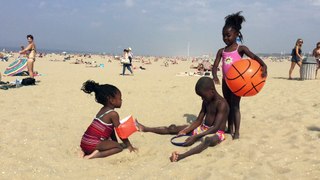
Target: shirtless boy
{"points": [[210, 123]]}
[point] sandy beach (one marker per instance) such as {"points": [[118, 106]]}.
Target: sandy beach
{"points": [[41, 126]]}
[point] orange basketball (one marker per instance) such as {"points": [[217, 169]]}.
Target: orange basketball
{"points": [[244, 78]]}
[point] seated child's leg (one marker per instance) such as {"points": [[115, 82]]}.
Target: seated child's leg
{"points": [[104, 149], [209, 141], [172, 129]]}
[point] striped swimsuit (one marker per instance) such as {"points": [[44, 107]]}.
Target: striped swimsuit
{"points": [[96, 132]]}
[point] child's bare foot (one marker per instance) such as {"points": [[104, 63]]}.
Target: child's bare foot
{"points": [[81, 154], [140, 126], [236, 136], [174, 157], [92, 155]]}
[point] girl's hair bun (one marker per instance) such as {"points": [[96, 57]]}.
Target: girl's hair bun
{"points": [[89, 86], [235, 20]]}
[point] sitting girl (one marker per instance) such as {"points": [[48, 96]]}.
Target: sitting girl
{"points": [[99, 140]]}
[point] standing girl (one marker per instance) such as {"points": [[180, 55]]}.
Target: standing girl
{"points": [[230, 54], [31, 52], [99, 140], [296, 57]]}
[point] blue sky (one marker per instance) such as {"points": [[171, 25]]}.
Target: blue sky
{"points": [[158, 27]]}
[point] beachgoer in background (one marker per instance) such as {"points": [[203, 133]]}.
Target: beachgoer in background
{"points": [[130, 54], [207, 65], [99, 140], [166, 64], [148, 61], [200, 69], [230, 54], [296, 57], [24, 54], [126, 65], [4, 57], [316, 54], [210, 121], [30, 50]]}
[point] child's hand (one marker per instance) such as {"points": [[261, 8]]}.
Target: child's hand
{"points": [[216, 81], [182, 132], [264, 71]]}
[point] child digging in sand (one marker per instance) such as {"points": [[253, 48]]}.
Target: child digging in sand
{"points": [[210, 123], [99, 140]]}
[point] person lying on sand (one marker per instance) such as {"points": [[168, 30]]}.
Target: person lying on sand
{"points": [[78, 62], [210, 123]]}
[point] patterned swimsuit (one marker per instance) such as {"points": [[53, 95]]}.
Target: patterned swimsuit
{"points": [[228, 58], [96, 132], [203, 128]]}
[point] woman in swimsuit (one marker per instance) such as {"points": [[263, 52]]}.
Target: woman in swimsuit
{"points": [[296, 57], [30, 50], [316, 54], [99, 139]]}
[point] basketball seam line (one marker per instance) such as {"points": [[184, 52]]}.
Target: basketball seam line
{"points": [[240, 74], [254, 87], [256, 72]]}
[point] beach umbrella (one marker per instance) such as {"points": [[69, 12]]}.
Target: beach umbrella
{"points": [[15, 67]]}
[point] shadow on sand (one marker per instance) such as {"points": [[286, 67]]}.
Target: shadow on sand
{"points": [[285, 78], [190, 118], [314, 128]]}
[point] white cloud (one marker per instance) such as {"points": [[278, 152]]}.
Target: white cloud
{"points": [[129, 3], [42, 4], [73, 11], [143, 11], [103, 8], [315, 2], [197, 3], [174, 28], [95, 24]]}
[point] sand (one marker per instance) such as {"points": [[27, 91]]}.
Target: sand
{"points": [[41, 126]]}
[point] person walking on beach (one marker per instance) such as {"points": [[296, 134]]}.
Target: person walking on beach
{"points": [[296, 57], [99, 140], [31, 51], [210, 123], [230, 54], [130, 54], [127, 62], [316, 54]]}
